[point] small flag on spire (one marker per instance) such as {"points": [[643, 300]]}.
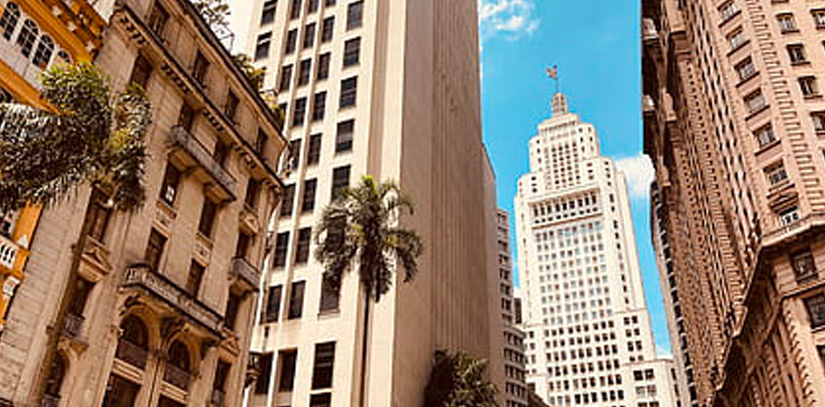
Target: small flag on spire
{"points": [[553, 72]]}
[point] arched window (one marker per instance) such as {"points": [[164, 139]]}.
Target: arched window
{"points": [[134, 342], [177, 368], [44, 52], [64, 57], [27, 37], [9, 19], [56, 375]]}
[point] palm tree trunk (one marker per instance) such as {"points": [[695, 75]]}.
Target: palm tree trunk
{"points": [[364, 344]]}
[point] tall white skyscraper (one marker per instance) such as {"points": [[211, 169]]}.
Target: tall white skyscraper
{"points": [[589, 340]]}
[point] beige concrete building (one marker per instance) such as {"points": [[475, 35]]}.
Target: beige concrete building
{"points": [[515, 386], [390, 89], [160, 306], [588, 329], [734, 120]]}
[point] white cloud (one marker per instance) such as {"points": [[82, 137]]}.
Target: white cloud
{"points": [[512, 18], [638, 171]]}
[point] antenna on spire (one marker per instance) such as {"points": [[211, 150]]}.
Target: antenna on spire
{"points": [[559, 102], [553, 73]]}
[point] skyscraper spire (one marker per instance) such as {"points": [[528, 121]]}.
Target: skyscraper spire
{"points": [[559, 101]]}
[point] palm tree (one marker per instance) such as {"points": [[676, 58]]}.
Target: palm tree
{"points": [[459, 380], [358, 230], [88, 136]]}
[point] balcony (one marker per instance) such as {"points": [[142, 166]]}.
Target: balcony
{"points": [[195, 156], [132, 354], [217, 398], [246, 272], [8, 252], [141, 277], [177, 377], [73, 325]]}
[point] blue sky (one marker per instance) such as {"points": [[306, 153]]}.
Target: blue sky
{"points": [[595, 43]]}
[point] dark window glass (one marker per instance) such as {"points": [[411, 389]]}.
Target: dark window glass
{"points": [[262, 383], [231, 108], [320, 400], [319, 106], [299, 112], [9, 20], [308, 201], [154, 249], [314, 151], [43, 53], [821, 354], [352, 52], [349, 92], [268, 14], [273, 304], [322, 369], [329, 3], [199, 68], [304, 72], [171, 181], [309, 35], [208, 214], [80, 295], [328, 29], [288, 201], [803, 265], [302, 249], [120, 392], [221, 152], [253, 188], [262, 46], [330, 298], [141, 71], [323, 66], [340, 180], [281, 246], [355, 15], [288, 360], [157, 19], [28, 35], [312, 6], [344, 136], [231, 314], [99, 215], [186, 118], [816, 309], [294, 158], [244, 243], [285, 80], [193, 283], [295, 10], [291, 41], [296, 300], [221, 374]]}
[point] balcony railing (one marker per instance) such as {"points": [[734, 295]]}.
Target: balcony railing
{"points": [[177, 377], [246, 271], [203, 158], [72, 325], [132, 354], [50, 401], [141, 276], [8, 252], [217, 398]]}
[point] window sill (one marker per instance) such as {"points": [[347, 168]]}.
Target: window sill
{"points": [[793, 31], [329, 314], [757, 112], [806, 280], [731, 17], [813, 96], [800, 63], [740, 46], [768, 146], [743, 81]]}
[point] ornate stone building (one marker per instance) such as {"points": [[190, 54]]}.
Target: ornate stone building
{"points": [[733, 123], [158, 303]]}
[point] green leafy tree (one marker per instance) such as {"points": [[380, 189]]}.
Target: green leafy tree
{"points": [[88, 136], [459, 380], [214, 12], [358, 231], [254, 75]]}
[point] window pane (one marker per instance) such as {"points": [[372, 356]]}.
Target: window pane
{"points": [[355, 14], [308, 202], [273, 304], [288, 360], [323, 366], [262, 383], [296, 300]]}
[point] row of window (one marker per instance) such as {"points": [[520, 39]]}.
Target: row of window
{"points": [[355, 11], [349, 90], [28, 35], [264, 40], [322, 372]]}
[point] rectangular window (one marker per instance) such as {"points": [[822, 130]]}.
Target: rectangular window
{"points": [[262, 46], [302, 249], [323, 66], [186, 117], [349, 92], [199, 68], [330, 298], [819, 18], [304, 72], [221, 374], [281, 246], [746, 69], [221, 152], [807, 84], [737, 39], [171, 182], [231, 108], [787, 23], [288, 359], [262, 383], [314, 151], [821, 350], [756, 102], [231, 314], [273, 304], [322, 368], [352, 52], [328, 29], [268, 14], [776, 174], [340, 180], [291, 41], [99, 215], [253, 187], [312, 6], [789, 216], [209, 212], [288, 201], [803, 265], [728, 10], [243, 245], [320, 400], [157, 19], [154, 249], [308, 201], [299, 112], [344, 136], [193, 282], [765, 135], [295, 10], [141, 71], [329, 3], [355, 15], [818, 119], [816, 309], [285, 81], [319, 105], [309, 35], [296, 300], [294, 158], [796, 53]]}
